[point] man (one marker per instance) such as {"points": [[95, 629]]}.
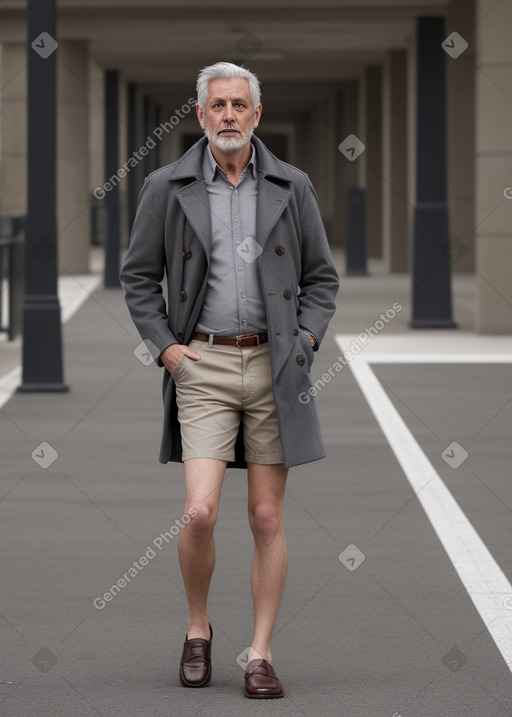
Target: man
{"points": [[250, 292]]}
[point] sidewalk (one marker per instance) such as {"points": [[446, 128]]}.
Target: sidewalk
{"points": [[360, 301], [84, 502]]}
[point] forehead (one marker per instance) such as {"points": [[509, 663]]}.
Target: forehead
{"points": [[229, 88]]}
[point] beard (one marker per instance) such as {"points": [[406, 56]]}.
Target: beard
{"points": [[228, 145]]}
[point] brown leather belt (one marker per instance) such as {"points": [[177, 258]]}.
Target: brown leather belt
{"points": [[242, 341]]}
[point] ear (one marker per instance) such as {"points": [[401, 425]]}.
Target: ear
{"points": [[200, 116], [257, 115]]}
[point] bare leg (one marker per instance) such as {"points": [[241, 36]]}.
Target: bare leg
{"points": [[196, 547], [270, 561]]}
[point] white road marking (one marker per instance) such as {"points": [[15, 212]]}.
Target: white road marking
{"points": [[437, 358], [73, 292], [8, 384], [483, 579]]}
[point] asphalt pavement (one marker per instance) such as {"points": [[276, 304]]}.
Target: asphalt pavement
{"points": [[375, 620]]}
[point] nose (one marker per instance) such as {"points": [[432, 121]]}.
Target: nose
{"points": [[229, 115]]}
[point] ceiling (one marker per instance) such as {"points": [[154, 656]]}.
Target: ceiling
{"points": [[167, 41]]}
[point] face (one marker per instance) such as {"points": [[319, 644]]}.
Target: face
{"points": [[229, 116]]}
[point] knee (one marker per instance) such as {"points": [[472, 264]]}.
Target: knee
{"points": [[202, 521], [265, 520]]}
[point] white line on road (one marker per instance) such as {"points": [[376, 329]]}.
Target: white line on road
{"points": [[73, 292], [483, 579], [437, 358]]}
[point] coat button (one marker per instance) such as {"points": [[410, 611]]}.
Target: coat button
{"points": [[180, 337], [280, 250], [187, 254], [300, 360], [296, 332], [287, 294], [183, 295]]}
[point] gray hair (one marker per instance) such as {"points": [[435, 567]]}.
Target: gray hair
{"points": [[226, 70]]}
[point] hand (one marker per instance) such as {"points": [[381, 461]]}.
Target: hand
{"points": [[310, 339], [174, 353]]}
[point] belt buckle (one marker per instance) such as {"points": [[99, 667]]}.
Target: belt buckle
{"points": [[246, 336]]}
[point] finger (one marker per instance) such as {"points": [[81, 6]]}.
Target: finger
{"points": [[193, 355]]}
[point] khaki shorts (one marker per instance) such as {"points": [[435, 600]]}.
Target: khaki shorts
{"points": [[226, 385]]}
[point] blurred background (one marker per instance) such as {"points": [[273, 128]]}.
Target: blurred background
{"points": [[125, 84]]}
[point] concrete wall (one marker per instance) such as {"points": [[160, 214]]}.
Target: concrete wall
{"points": [[493, 211]]}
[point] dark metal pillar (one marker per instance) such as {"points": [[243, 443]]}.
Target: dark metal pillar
{"points": [[373, 158], [158, 149], [338, 234], [42, 338], [431, 294], [133, 188], [111, 170], [356, 232], [355, 250], [147, 122], [150, 123]]}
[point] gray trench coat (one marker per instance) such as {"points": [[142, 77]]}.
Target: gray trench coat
{"points": [[171, 232]]}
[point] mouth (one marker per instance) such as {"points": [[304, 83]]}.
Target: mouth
{"points": [[229, 131]]}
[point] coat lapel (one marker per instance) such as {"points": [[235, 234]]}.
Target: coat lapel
{"points": [[194, 202], [272, 200], [272, 196]]}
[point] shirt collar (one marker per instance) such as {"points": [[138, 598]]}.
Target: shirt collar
{"points": [[211, 167]]}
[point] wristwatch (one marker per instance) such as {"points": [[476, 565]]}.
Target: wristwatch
{"points": [[312, 338]]}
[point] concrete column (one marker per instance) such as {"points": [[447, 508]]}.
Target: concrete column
{"points": [[13, 167], [493, 218], [460, 104], [73, 197], [394, 163], [373, 106]]}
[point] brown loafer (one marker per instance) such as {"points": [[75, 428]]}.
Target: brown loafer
{"points": [[261, 681], [196, 661]]}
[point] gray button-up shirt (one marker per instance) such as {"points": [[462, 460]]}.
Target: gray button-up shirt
{"points": [[233, 302]]}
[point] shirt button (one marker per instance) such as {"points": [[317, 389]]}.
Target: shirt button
{"points": [[287, 294], [244, 321], [240, 268], [236, 216], [236, 191], [243, 296], [238, 241]]}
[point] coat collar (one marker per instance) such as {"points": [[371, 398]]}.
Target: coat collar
{"points": [[190, 166], [273, 195]]}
